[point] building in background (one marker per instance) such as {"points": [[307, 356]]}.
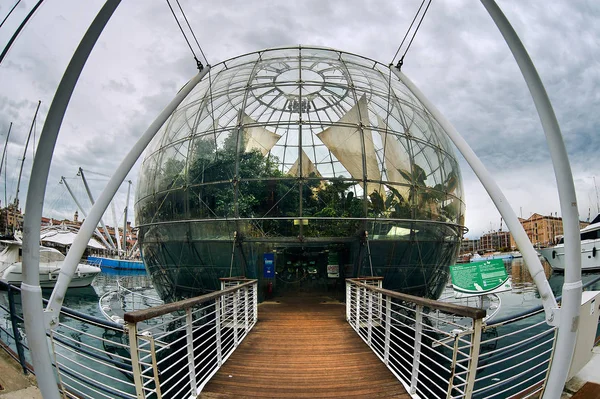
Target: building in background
{"points": [[469, 246], [495, 241], [543, 231]]}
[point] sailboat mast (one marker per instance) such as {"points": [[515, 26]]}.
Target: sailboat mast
{"points": [[597, 201], [91, 197], [125, 218], [2, 162], [83, 212], [24, 154]]}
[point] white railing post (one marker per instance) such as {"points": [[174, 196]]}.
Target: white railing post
{"points": [[474, 358], [246, 309], [135, 360], [452, 368], [255, 299], [388, 328], [348, 301], [417, 349], [218, 303], [189, 333], [369, 315], [235, 317], [155, 368], [357, 321]]}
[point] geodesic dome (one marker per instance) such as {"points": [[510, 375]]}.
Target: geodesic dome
{"points": [[314, 157]]}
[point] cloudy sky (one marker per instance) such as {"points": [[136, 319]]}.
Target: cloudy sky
{"points": [[458, 59]]}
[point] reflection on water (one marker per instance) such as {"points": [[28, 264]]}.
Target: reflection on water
{"points": [[524, 294]]}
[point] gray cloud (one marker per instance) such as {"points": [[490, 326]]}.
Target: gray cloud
{"points": [[458, 59]]}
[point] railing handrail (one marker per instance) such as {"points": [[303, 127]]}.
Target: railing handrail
{"points": [[145, 314], [459, 310]]}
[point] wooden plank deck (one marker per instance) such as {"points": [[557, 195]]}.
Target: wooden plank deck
{"points": [[303, 348]]}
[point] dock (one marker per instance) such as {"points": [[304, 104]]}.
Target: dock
{"points": [[302, 347]]}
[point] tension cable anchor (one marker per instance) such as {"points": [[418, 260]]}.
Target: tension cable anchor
{"points": [[400, 63], [198, 64]]}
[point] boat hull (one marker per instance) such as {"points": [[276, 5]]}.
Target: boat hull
{"points": [[83, 277], [120, 264], [590, 256]]}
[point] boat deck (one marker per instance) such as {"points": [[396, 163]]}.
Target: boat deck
{"points": [[303, 348]]}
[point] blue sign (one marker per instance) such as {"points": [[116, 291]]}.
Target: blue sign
{"points": [[269, 265]]}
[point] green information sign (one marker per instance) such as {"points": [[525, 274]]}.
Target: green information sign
{"points": [[478, 278]]}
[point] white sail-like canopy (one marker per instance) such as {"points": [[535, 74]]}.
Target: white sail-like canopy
{"points": [[346, 143], [395, 158], [308, 167], [257, 137]]}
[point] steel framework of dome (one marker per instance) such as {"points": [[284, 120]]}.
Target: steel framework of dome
{"points": [[317, 156]]}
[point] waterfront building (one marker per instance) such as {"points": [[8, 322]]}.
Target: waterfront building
{"points": [[470, 245], [300, 166], [543, 230], [495, 241]]}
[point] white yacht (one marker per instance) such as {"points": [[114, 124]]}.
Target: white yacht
{"points": [[51, 260], [590, 249]]}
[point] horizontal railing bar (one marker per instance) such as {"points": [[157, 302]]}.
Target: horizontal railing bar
{"points": [[516, 332], [517, 346], [92, 383], [502, 383], [536, 309], [123, 366], [145, 314], [529, 360], [465, 311], [86, 367]]}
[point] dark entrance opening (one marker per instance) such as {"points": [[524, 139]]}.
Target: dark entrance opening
{"points": [[311, 271]]}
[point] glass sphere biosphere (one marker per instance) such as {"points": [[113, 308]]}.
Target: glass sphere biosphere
{"points": [[299, 166]]}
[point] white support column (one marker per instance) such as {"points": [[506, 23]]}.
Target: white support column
{"points": [[370, 316], [218, 310], [568, 322], [417, 349], [236, 305], [31, 291], [530, 256], [348, 300], [88, 226], [135, 360], [388, 329], [357, 308], [474, 358], [255, 301], [189, 335], [246, 310]]}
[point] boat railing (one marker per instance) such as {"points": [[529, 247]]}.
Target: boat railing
{"points": [[203, 332]]}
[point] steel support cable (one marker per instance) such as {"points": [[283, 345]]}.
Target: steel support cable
{"points": [[408, 31], [10, 12], [19, 29], [192, 32], [198, 63], [401, 61]]}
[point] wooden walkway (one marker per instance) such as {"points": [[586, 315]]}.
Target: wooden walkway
{"points": [[303, 348]]}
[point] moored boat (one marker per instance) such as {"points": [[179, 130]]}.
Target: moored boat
{"points": [[116, 263], [495, 255], [51, 261], [590, 249]]}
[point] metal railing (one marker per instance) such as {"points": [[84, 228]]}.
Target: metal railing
{"points": [[432, 356], [442, 351], [168, 351], [176, 362]]}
